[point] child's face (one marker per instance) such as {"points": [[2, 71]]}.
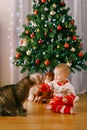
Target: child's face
{"points": [[60, 75]]}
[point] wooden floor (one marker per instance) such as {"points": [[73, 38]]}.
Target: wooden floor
{"points": [[40, 119]]}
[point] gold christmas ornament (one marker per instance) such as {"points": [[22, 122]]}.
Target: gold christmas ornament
{"points": [[69, 64], [32, 40], [34, 47], [28, 52], [38, 30], [73, 49], [58, 46], [24, 42], [71, 30], [66, 26], [54, 5], [52, 12]]}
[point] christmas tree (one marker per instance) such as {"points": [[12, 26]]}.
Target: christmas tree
{"points": [[49, 38]]}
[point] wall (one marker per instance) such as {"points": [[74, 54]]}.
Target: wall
{"points": [[8, 13], [4, 42]]}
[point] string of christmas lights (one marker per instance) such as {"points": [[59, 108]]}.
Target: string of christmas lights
{"points": [[15, 28]]}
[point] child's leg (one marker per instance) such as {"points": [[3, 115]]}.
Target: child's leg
{"points": [[72, 111]]}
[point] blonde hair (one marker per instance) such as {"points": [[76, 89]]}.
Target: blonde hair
{"points": [[63, 67]]}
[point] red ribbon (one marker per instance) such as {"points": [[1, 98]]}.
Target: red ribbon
{"points": [[45, 87], [61, 84]]}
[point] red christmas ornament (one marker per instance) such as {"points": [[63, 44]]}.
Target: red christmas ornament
{"points": [[43, 1], [51, 30], [59, 27], [32, 35], [37, 61], [74, 38], [45, 88], [27, 32], [18, 55], [62, 3], [81, 44], [80, 54], [35, 12], [47, 62], [72, 21], [40, 41], [66, 45], [21, 41]]}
